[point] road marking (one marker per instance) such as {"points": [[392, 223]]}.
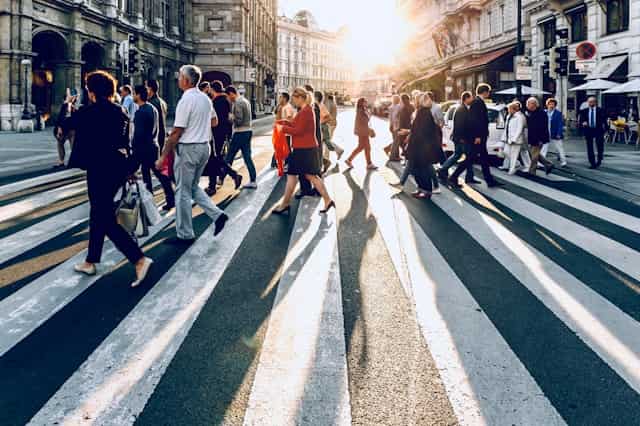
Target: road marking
{"points": [[20, 242], [43, 199], [113, 385], [616, 217], [302, 372], [550, 177], [612, 252], [28, 308], [39, 180], [30, 159], [607, 330], [485, 381]]}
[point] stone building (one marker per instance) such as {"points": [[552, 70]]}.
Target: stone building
{"points": [[613, 26], [464, 42], [309, 55], [64, 40], [235, 41]]}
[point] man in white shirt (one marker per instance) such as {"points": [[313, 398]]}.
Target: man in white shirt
{"points": [[190, 138]]}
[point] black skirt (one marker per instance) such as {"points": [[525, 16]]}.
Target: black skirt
{"points": [[303, 161]]}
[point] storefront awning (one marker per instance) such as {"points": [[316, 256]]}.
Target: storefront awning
{"points": [[483, 60], [606, 67], [427, 76]]}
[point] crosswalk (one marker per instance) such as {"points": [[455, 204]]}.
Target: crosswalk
{"points": [[526, 298]]}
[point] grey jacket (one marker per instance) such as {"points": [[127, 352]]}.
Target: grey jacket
{"points": [[241, 115]]}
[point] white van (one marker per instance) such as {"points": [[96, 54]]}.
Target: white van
{"points": [[497, 120]]}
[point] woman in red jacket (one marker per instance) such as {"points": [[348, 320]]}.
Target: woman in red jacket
{"points": [[363, 132], [303, 159]]}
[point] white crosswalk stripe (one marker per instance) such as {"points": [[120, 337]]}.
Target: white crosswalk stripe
{"points": [[302, 366]]}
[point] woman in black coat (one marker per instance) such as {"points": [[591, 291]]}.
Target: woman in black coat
{"points": [[423, 151], [102, 148]]}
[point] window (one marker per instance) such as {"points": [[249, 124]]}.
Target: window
{"points": [[502, 26], [166, 15], [215, 24], [490, 23], [578, 22], [548, 29], [617, 16]]}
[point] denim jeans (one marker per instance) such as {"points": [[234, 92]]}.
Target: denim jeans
{"points": [[191, 160], [241, 141], [451, 161]]}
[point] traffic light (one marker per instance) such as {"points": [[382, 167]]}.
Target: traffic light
{"points": [[133, 54], [562, 60], [553, 63]]}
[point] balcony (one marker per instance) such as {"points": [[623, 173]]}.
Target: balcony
{"points": [[455, 7]]}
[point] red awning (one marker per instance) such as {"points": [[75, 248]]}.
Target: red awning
{"points": [[427, 76], [483, 59]]}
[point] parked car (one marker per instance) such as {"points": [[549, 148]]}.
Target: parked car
{"points": [[381, 107], [447, 104], [497, 119]]}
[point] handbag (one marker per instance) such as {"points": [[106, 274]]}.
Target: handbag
{"points": [[149, 208], [130, 212]]}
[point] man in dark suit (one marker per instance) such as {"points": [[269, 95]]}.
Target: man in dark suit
{"points": [[479, 128], [594, 125], [462, 142]]}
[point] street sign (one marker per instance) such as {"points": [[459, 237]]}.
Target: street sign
{"points": [[586, 50], [251, 75], [585, 66], [524, 72]]}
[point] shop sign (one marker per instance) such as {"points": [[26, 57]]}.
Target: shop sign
{"points": [[524, 72], [585, 66]]}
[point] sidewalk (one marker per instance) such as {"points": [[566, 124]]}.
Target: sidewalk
{"points": [[23, 153], [619, 170]]}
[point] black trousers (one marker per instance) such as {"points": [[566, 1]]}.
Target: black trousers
{"points": [[473, 152], [217, 166], [103, 187], [591, 137], [147, 165]]}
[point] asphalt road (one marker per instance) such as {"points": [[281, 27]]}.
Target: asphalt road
{"points": [[516, 306]]}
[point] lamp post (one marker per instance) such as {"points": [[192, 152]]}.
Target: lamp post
{"points": [[26, 115], [519, 50]]}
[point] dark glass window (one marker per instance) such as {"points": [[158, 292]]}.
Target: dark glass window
{"points": [[617, 16], [549, 34], [578, 21]]}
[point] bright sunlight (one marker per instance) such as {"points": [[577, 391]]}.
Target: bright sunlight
{"points": [[376, 31]]}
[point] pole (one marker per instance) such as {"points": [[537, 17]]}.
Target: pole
{"points": [[25, 112], [519, 50]]}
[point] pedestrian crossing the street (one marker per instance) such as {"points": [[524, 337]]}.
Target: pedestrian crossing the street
{"points": [[526, 299]]}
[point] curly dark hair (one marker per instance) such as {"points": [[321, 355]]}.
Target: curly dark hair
{"points": [[101, 84]]}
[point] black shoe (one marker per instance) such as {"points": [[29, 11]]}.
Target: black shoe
{"points": [[168, 207], [211, 191], [331, 205], [220, 222], [549, 169], [312, 193], [180, 242], [454, 183], [237, 179], [495, 184], [472, 182], [281, 212]]}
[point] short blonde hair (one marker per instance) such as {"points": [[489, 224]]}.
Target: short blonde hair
{"points": [[515, 105], [301, 92]]}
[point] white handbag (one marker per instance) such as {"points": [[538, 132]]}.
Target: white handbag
{"points": [[149, 206]]}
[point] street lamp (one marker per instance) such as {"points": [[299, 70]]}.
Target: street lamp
{"points": [[519, 50], [26, 63]]}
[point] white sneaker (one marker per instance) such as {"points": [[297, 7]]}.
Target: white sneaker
{"points": [[84, 269], [563, 164], [143, 273], [251, 185], [436, 191]]}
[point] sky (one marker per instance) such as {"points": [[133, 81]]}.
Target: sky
{"points": [[376, 29]]}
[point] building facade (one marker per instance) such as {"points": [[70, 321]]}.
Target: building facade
{"points": [[64, 40], [614, 29], [464, 42], [309, 55], [460, 44], [235, 42]]}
